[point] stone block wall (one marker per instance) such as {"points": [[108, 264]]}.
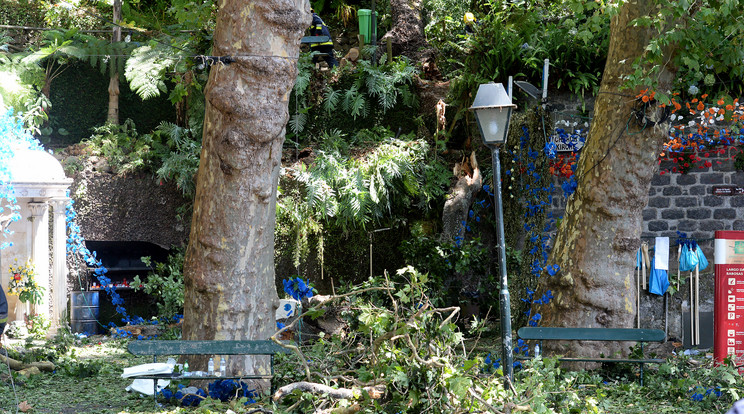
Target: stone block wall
{"points": [[685, 203]]}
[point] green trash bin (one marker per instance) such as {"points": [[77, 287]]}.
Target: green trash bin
{"points": [[365, 24]]}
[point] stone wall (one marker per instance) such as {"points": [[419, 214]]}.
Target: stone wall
{"points": [[685, 202], [128, 208]]}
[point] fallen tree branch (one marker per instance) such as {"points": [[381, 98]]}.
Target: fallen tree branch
{"points": [[293, 324], [16, 365], [374, 392], [260, 410], [340, 410], [484, 402]]}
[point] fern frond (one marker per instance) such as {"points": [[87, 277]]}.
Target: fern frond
{"points": [[297, 122], [330, 100], [359, 107], [349, 97], [145, 71], [302, 82]]}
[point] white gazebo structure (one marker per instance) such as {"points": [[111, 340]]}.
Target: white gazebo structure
{"points": [[41, 191]]}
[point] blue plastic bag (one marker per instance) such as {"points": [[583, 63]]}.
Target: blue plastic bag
{"points": [[688, 258], [702, 261], [658, 280]]}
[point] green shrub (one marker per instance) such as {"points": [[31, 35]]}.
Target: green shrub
{"points": [[165, 284]]}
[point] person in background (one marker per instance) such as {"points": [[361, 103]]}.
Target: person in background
{"points": [[469, 20], [319, 28], [3, 311]]}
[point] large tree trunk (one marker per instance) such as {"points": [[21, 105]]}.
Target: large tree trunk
{"points": [[596, 244], [229, 267], [113, 89]]}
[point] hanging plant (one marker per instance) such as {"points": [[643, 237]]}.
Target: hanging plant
{"points": [[23, 283]]}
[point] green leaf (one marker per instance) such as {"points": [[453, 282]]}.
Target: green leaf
{"points": [[459, 386], [691, 63]]}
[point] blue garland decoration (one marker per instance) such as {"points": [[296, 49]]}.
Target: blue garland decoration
{"points": [[298, 288], [76, 247], [13, 136], [223, 390], [526, 158]]}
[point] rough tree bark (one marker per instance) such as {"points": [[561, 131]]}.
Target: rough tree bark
{"points": [[229, 267], [469, 183], [596, 244], [113, 88]]}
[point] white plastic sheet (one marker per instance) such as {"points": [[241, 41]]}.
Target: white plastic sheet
{"points": [[145, 386]]}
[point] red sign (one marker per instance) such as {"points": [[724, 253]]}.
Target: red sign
{"points": [[728, 315]]}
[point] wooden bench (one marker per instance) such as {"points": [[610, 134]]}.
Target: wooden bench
{"points": [[598, 334], [214, 347]]}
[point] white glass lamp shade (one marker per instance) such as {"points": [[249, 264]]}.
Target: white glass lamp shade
{"points": [[492, 108]]}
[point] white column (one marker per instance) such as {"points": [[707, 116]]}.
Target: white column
{"points": [[59, 265], [40, 251]]}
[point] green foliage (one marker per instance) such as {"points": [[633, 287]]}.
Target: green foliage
{"points": [[739, 161], [146, 68], [83, 14], [397, 338], [178, 149], [514, 38], [199, 15], [23, 13], [38, 326], [358, 191], [699, 43], [362, 92], [19, 86], [165, 284], [57, 48], [121, 146], [423, 366], [48, 13], [108, 57], [470, 260], [78, 110], [74, 367], [171, 152], [167, 65], [379, 186]]}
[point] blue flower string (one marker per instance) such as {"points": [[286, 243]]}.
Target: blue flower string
{"points": [[76, 246], [12, 137], [298, 288], [223, 390]]}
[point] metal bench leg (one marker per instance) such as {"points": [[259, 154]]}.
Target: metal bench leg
{"points": [[271, 381], [155, 383], [643, 355]]}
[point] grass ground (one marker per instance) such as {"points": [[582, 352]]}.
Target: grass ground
{"points": [[88, 381]]}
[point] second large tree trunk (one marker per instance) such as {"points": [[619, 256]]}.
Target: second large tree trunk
{"points": [[229, 268], [596, 244]]}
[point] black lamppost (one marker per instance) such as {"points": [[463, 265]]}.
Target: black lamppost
{"points": [[493, 108]]}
